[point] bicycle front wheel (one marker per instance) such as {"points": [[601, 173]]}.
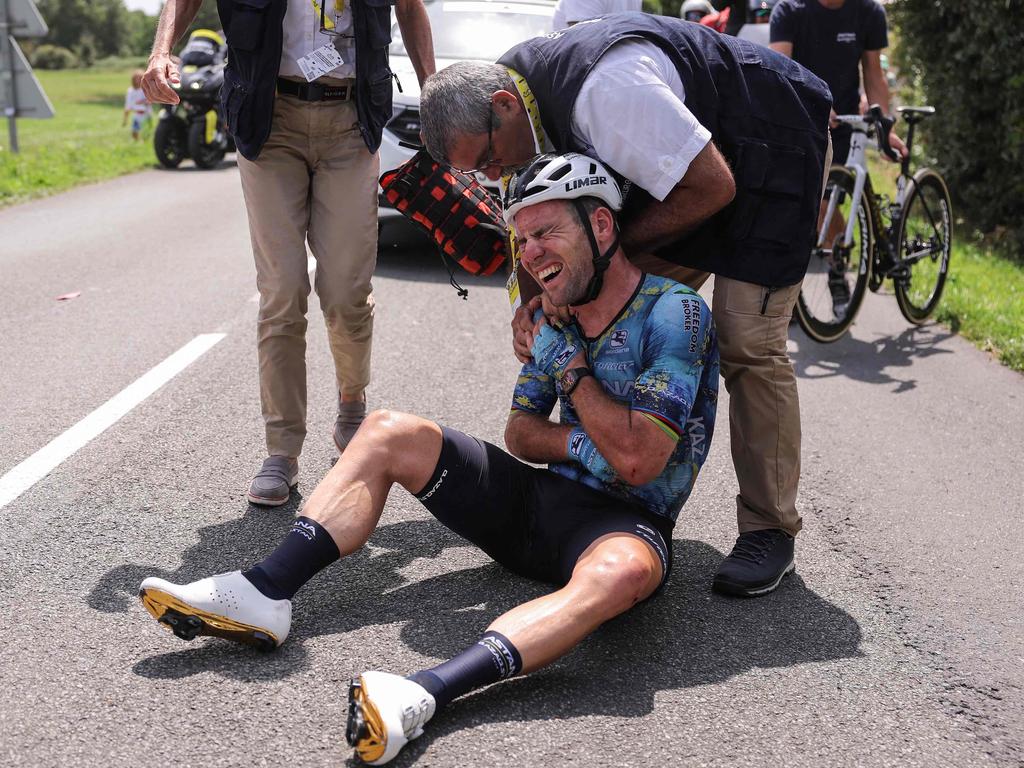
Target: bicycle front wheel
{"points": [[925, 239], [837, 274]]}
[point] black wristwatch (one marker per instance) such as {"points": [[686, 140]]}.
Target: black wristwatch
{"points": [[572, 378]]}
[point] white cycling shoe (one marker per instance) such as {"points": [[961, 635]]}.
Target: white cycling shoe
{"points": [[385, 712], [226, 605]]}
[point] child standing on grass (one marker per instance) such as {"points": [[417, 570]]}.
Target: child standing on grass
{"points": [[136, 105]]}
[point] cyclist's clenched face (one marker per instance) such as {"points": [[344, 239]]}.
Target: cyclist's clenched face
{"points": [[555, 250]]}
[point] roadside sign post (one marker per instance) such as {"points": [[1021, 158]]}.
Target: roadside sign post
{"points": [[20, 92]]}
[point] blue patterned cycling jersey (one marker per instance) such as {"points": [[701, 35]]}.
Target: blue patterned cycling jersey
{"points": [[659, 357]]}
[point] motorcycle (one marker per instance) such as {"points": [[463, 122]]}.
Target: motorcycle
{"points": [[195, 126]]}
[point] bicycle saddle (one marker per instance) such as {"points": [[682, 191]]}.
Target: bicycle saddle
{"points": [[915, 114]]}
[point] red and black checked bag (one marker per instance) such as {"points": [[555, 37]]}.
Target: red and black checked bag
{"points": [[453, 208]]}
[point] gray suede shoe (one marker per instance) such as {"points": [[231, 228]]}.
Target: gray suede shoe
{"points": [[350, 416], [274, 482]]}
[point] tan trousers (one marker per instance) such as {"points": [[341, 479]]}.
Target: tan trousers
{"points": [[764, 409], [314, 180]]}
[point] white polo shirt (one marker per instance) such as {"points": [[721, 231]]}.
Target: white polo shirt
{"points": [[302, 36], [572, 11], [631, 110]]}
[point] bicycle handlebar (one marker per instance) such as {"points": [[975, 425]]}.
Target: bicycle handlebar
{"points": [[883, 125]]}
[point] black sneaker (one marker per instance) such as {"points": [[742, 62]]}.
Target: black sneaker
{"points": [[756, 564]]}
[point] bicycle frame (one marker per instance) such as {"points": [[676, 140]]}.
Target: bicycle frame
{"points": [[895, 234], [856, 162]]}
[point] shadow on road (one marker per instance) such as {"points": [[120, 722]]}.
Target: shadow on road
{"points": [[868, 361], [685, 637], [220, 548]]}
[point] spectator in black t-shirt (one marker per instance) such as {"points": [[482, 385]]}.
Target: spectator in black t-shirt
{"points": [[830, 38]]}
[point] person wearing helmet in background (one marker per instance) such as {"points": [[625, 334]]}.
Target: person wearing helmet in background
{"points": [[695, 10], [636, 377], [760, 11], [703, 12], [759, 14], [204, 48], [725, 144]]}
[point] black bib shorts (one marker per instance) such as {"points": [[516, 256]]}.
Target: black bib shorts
{"points": [[533, 521]]}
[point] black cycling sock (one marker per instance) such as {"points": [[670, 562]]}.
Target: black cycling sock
{"points": [[491, 659], [305, 550]]}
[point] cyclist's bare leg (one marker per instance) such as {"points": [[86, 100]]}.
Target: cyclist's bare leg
{"points": [[389, 448], [611, 576]]}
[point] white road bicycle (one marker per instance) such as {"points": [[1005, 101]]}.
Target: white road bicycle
{"points": [[856, 250]]}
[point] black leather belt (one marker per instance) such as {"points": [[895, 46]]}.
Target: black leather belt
{"points": [[316, 91]]}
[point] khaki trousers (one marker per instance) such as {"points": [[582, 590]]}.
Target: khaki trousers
{"points": [[313, 180], [752, 323], [764, 408]]}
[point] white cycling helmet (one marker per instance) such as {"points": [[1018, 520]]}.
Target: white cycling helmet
{"points": [[569, 177], [560, 177], [702, 7]]}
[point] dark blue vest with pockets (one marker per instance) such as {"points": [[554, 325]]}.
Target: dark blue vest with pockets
{"points": [[767, 115], [255, 38]]}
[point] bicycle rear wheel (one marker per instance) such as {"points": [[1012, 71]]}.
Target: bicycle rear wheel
{"points": [[925, 239], [837, 274]]}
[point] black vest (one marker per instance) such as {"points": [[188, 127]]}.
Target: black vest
{"points": [[767, 115], [255, 38]]}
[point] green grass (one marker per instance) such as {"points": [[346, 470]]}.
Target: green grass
{"points": [[984, 302], [983, 299], [83, 142]]}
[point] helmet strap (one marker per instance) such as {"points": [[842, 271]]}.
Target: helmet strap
{"points": [[601, 261]]}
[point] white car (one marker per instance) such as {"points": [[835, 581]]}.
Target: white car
{"points": [[476, 30]]}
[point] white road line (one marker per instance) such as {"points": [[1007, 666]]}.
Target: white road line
{"points": [[310, 266], [50, 456]]}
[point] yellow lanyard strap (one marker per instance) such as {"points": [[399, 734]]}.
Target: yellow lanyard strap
{"points": [[339, 6], [541, 145]]}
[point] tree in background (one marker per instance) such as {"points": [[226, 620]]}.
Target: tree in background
{"points": [[96, 29], [965, 57], [139, 32], [111, 34], [90, 28]]}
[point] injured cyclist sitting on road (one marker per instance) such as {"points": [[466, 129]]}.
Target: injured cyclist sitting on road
{"points": [[635, 372]]}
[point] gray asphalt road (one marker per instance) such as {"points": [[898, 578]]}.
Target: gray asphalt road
{"points": [[898, 642]]}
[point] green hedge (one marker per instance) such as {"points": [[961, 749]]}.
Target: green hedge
{"points": [[53, 57], [965, 57]]}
